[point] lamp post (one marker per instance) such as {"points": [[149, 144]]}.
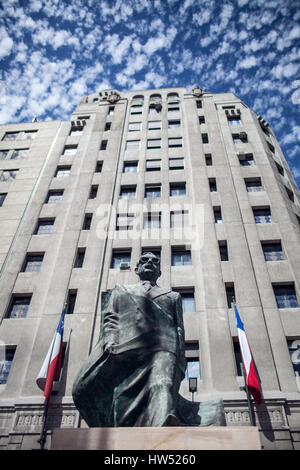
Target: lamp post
{"points": [[192, 386]]}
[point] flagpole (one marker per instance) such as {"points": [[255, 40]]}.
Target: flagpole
{"points": [[246, 389], [42, 438]]}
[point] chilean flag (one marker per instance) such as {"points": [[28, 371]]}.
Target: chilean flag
{"points": [[250, 373], [50, 370]]}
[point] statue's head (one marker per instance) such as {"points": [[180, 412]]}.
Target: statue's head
{"points": [[148, 267]]}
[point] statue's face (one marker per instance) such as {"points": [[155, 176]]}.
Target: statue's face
{"points": [[148, 267]]}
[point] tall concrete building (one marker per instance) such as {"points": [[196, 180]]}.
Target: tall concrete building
{"points": [[196, 177]]}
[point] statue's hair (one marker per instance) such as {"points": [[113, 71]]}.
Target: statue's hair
{"points": [[147, 253]]}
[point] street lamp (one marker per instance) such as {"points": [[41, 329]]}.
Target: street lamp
{"points": [[192, 386]]}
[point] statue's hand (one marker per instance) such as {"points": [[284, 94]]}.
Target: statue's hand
{"points": [[109, 347]]}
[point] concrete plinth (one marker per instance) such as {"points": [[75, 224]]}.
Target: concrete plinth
{"points": [[165, 438]]}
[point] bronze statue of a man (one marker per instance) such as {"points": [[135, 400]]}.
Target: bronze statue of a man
{"points": [[133, 375]]}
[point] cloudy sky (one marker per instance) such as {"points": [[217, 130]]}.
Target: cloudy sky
{"points": [[52, 52]]}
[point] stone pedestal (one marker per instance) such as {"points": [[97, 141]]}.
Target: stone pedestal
{"points": [[165, 438]]}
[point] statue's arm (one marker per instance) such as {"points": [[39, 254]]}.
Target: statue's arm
{"points": [[110, 331], [180, 333]]}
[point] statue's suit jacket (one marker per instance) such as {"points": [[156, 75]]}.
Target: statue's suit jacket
{"points": [[132, 319]]}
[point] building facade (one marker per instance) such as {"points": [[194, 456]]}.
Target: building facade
{"points": [[197, 178]]}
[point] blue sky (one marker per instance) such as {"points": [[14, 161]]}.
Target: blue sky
{"points": [[52, 52]]}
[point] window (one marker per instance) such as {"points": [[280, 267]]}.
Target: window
{"points": [[204, 138], [137, 101], [76, 131], [54, 196], [134, 111], [192, 360], [8, 175], [246, 159], [173, 107], [6, 359], [20, 153], [80, 254], [223, 250], [198, 104], [272, 251], [127, 192], [134, 126], [33, 263], [175, 142], [63, 171], [10, 136], [69, 150], [153, 143], [177, 189], [154, 125], [212, 185], [253, 185], [208, 159], [230, 294], [174, 123], [71, 301], [111, 110], [294, 350], [237, 356], [234, 120], [240, 138], [107, 126], [87, 222], [2, 198], [120, 256], [130, 167], [103, 145], [217, 214], [152, 220], [124, 222], [262, 215], [93, 191], [176, 163], [153, 165], [271, 147], [25, 135], [44, 226], [279, 168], [181, 256], [285, 295], [19, 306], [201, 119], [179, 219], [289, 193], [132, 144], [98, 167], [3, 154], [188, 300], [152, 190]]}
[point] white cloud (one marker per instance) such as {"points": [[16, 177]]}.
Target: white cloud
{"points": [[248, 62], [6, 44]]}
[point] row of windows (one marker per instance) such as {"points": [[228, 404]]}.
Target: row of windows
{"points": [[15, 154], [20, 135], [151, 220], [192, 355], [272, 251], [285, 293]]}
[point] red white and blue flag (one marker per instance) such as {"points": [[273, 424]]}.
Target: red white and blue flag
{"points": [[51, 367], [250, 372]]}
